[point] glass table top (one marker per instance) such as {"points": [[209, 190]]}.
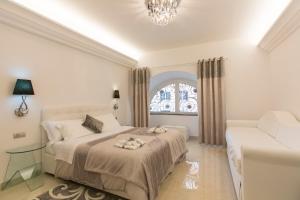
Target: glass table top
{"points": [[25, 149]]}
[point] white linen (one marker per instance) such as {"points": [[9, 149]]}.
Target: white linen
{"points": [[73, 129], [289, 136], [50, 148], [158, 130], [52, 130], [283, 127], [253, 137], [65, 149], [130, 144], [109, 122], [273, 120]]}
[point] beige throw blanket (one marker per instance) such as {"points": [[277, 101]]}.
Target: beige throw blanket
{"points": [[145, 167]]}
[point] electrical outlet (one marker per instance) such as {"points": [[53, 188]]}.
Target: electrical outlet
{"points": [[19, 135]]}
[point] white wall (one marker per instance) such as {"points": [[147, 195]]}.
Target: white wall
{"points": [[285, 75], [247, 74], [60, 76]]}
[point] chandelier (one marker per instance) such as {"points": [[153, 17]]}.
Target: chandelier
{"points": [[162, 11]]}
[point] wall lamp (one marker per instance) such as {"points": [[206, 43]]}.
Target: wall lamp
{"points": [[116, 96], [23, 87]]}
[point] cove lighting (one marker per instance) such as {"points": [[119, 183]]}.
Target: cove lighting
{"points": [[264, 17], [59, 12]]}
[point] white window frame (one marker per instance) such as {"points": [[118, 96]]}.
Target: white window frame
{"points": [[177, 96]]}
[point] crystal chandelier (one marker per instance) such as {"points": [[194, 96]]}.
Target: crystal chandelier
{"points": [[162, 11]]}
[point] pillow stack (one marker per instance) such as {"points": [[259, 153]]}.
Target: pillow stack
{"points": [[69, 129]]}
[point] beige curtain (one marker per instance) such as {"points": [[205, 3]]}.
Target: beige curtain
{"points": [[141, 79], [212, 121]]}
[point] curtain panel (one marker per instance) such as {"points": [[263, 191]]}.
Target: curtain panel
{"points": [[141, 80], [211, 102]]}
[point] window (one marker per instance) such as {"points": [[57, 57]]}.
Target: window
{"points": [[175, 97], [188, 98], [164, 100]]}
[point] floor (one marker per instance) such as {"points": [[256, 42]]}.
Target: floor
{"points": [[204, 176]]}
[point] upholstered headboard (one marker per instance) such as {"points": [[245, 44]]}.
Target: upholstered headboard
{"points": [[71, 112]]}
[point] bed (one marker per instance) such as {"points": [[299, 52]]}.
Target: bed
{"points": [[93, 159]]}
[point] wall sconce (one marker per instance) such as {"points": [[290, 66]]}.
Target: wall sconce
{"points": [[23, 87], [116, 96]]}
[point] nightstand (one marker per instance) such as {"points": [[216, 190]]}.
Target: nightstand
{"points": [[23, 166]]}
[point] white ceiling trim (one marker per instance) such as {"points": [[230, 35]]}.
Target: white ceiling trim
{"points": [[284, 27], [20, 18]]}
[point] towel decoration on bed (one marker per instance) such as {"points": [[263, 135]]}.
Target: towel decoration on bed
{"points": [[131, 143], [158, 130]]}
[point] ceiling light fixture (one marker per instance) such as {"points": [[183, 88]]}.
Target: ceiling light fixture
{"points": [[162, 12]]}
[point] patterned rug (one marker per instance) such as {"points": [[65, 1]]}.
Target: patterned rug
{"points": [[73, 191]]}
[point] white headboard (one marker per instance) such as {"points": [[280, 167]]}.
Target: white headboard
{"points": [[71, 112]]}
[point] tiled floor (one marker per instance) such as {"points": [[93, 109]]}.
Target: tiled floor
{"points": [[204, 176]]}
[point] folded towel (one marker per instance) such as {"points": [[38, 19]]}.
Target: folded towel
{"points": [[158, 130], [131, 143]]}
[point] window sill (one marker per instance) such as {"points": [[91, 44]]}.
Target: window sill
{"points": [[172, 113]]}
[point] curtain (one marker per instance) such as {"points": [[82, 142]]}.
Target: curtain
{"points": [[212, 120], [141, 79]]}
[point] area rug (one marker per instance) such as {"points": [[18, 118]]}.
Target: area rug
{"points": [[73, 191]]}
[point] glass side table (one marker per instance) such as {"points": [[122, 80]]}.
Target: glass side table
{"points": [[23, 166]]}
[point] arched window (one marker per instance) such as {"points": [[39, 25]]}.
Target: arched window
{"points": [[175, 97]]}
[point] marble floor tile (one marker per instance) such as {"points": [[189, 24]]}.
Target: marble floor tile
{"points": [[204, 175]]}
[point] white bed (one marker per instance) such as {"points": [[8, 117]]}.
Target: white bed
{"points": [[64, 113], [68, 113], [64, 150]]}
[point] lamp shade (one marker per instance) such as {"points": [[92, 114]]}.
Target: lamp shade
{"points": [[116, 94], [23, 87]]}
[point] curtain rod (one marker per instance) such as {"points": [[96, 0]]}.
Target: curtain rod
{"points": [[183, 64]]}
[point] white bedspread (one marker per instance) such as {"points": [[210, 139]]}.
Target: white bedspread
{"points": [[64, 150]]}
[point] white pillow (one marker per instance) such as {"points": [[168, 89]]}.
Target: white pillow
{"points": [[52, 129], [110, 123], [73, 129], [273, 120], [269, 124], [289, 136]]}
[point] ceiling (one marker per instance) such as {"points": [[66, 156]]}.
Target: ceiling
{"points": [[197, 21]]}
